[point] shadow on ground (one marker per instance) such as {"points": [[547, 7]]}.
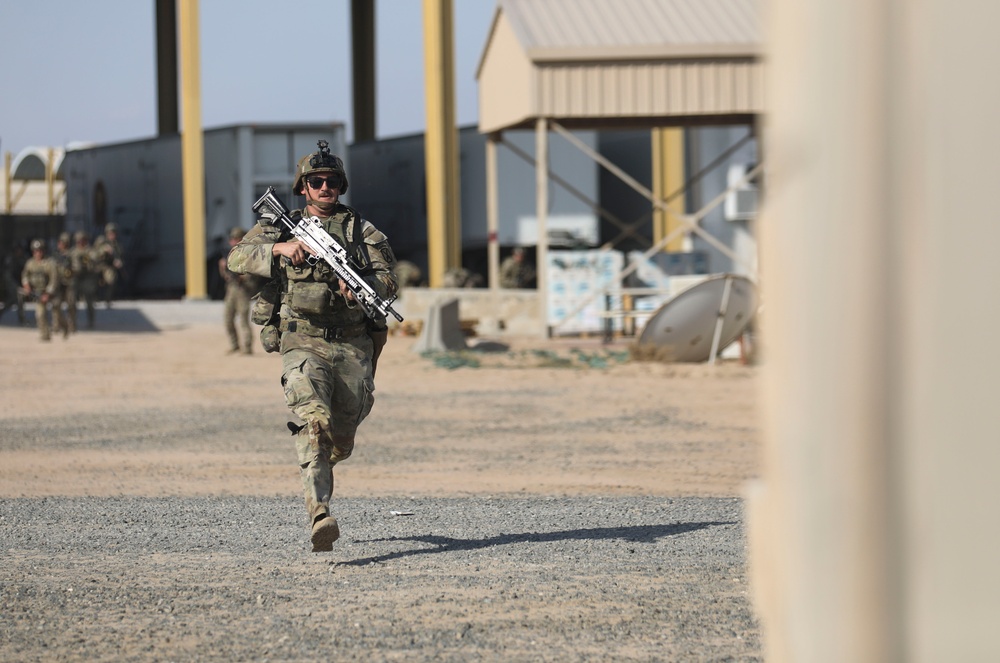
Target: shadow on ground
{"points": [[116, 319], [637, 534]]}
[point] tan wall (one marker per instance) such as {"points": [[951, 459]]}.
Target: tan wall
{"points": [[515, 310], [505, 90], [874, 530], [624, 89]]}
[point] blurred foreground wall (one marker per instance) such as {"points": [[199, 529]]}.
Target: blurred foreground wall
{"points": [[874, 528]]}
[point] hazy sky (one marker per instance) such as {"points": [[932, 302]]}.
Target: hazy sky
{"points": [[75, 70]]}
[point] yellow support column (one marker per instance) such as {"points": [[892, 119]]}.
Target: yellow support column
{"points": [[668, 177], [444, 231], [192, 152]]}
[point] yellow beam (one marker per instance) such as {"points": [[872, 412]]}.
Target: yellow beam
{"points": [[444, 231], [668, 177], [192, 152]]}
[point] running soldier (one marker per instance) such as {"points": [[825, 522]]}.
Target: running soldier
{"points": [[328, 346]]}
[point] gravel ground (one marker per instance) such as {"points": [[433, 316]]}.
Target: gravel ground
{"points": [[556, 503], [478, 578]]}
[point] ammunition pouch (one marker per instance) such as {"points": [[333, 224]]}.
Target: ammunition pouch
{"points": [[267, 303], [310, 297], [270, 338]]}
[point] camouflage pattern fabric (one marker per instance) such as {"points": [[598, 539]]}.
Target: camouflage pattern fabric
{"points": [[240, 289], [331, 404], [110, 261], [328, 381], [66, 290], [86, 276], [40, 278]]}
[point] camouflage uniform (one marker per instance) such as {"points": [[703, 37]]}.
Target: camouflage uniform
{"points": [[40, 280], [514, 272], [407, 274], [111, 259], [326, 343], [240, 288], [85, 273], [66, 292]]}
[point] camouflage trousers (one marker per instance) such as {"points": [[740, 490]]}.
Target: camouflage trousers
{"points": [[236, 311], [42, 313], [86, 289], [66, 295], [329, 385]]}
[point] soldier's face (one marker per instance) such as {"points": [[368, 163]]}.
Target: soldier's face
{"points": [[324, 187]]}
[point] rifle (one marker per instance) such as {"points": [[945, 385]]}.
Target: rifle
{"points": [[325, 247]]}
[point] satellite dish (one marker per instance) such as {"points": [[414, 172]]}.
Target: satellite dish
{"points": [[699, 322]]}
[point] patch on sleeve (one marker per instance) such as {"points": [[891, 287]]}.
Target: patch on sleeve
{"points": [[386, 252]]}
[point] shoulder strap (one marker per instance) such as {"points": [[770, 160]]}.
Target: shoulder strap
{"points": [[356, 242]]}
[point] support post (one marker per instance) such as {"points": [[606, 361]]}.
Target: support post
{"points": [[541, 213], [192, 154], [492, 213], [444, 238]]}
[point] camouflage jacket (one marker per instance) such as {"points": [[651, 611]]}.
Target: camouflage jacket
{"points": [[109, 253], [64, 265], [84, 262], [41, 276], [312, 293]]}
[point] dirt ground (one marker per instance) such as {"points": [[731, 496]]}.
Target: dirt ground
{"points": [[558, 501], [564, 417]]}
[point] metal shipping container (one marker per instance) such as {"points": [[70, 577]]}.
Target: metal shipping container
{"points": [[138, 186]]}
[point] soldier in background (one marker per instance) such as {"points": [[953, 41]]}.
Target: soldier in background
{"points": [[85, 273], [66, 290], [407, 274], [240, 289], [111, 260], [515, 272], [13, 265], [460, 277], [39, 281]]}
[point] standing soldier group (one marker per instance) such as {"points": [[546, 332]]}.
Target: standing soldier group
{"points": [[75, 272]]}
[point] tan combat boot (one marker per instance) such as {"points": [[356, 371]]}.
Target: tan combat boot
{"points": [[324, 532]]}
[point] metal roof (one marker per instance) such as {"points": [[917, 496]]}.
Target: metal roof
{"points": [[624, 29], [645, 62]]}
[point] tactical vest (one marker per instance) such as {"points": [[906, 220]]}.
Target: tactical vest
{"points": [[311, 293]]}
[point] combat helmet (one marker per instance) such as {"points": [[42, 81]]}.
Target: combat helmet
{"points": [[320, 161], [237, 233], [37, 245]]}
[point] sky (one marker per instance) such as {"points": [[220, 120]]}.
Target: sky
{"points": [[85, 71]]}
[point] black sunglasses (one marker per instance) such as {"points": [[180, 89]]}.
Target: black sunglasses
{"points": [[316, 182]]}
